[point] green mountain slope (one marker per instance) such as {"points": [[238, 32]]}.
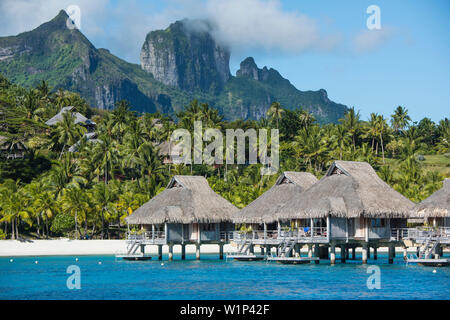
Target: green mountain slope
{"points": [[66, 59]]}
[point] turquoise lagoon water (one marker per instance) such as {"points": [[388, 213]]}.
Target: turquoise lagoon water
{"points": [[211, 278]]}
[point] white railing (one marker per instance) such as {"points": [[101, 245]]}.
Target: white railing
{"points": [[146, 235], [419, 233], [301, 234]]}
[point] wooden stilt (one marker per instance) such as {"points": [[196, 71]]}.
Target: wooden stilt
{"points": [[332, 254], [364, 254], [159, 252], [170, 252], [183, 252]]}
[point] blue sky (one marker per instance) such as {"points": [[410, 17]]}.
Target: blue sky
{"points": [[315, 44]]}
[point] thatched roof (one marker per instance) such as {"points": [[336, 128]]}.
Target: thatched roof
{"points": [[79, 118], [349, 189], [264, 209], [435, 206], [187, 199]]}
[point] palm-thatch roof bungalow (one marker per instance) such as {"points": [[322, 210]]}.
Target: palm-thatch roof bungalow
{"points": [[262, 212], [351, 202], [435, 209], [187, 211], [79, 118]]}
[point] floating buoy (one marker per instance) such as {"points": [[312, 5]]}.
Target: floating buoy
{"points": [[99, 262], [36, 262], [11, 260], [434, 271], [76, 259], [162, 264]]}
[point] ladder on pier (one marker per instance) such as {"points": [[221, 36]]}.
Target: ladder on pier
{"points": [[429, 247], [285, 247]]}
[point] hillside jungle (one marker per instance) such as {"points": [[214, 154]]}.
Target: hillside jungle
{"points": [[50, 192]]}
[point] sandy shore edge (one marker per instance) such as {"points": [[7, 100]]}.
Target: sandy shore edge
{"points": [[15, 248]]}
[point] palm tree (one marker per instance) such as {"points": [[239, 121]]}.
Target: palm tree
{"points": [[400, 119], [382, 127], [306, 118], [15, 206], [74, 202], [67, 132], [275, 111], [46, 206], [351, 122], [106, 153]]}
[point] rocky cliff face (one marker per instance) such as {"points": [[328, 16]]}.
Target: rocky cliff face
{"points": [[178, 64], [186, 56]]}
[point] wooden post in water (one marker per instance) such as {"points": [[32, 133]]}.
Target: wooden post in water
{"points": [[364, 254], [221, 251], [183, 252], [391, 254], [197, 251], [343, 249], [316, 253], [159, 252], [310, 252], [353, 253], [368, 252], [375, 253], [332, 254], [170, 252]]}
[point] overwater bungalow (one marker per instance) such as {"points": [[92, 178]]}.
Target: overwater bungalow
{"points": [[188, 211], [435, 210], [354, 207], [260, 217]]}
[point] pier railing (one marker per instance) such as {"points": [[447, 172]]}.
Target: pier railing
{"points": [[275, 235], [147, 235], [420, 233]]}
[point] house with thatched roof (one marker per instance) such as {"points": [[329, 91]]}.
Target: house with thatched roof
{"points": [[187, 211], [79, 118], [261, 214], [351, 202], [435, 210]]}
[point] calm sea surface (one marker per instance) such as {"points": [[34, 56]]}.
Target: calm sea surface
{"points": [[211, 278]]}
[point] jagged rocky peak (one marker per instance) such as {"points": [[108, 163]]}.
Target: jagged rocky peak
{"points": [[187, 56], [249, 69]]}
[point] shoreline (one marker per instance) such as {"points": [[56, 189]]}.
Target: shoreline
{"points": [[67, 247]]}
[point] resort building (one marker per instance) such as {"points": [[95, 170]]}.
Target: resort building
{"points": [[350, 206], [258, 220], [188, 211], [435, 210], [79, 118]]}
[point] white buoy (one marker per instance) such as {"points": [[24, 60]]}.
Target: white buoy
{"points": [[99, 262], [36, 262], [434, 271], [11, 260], [162, 264], [76, 259]]}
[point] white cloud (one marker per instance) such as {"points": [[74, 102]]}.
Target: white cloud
{"points": [[122, 27], [369, 40], [263, 23]]}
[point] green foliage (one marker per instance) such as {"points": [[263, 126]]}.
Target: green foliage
{"points": [[107, 179], [62, 223]]}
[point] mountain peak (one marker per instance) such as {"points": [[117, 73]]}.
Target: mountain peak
{"points": [[186, 55]]}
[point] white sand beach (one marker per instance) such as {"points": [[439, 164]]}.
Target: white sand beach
{"points": [[15, 248]]}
